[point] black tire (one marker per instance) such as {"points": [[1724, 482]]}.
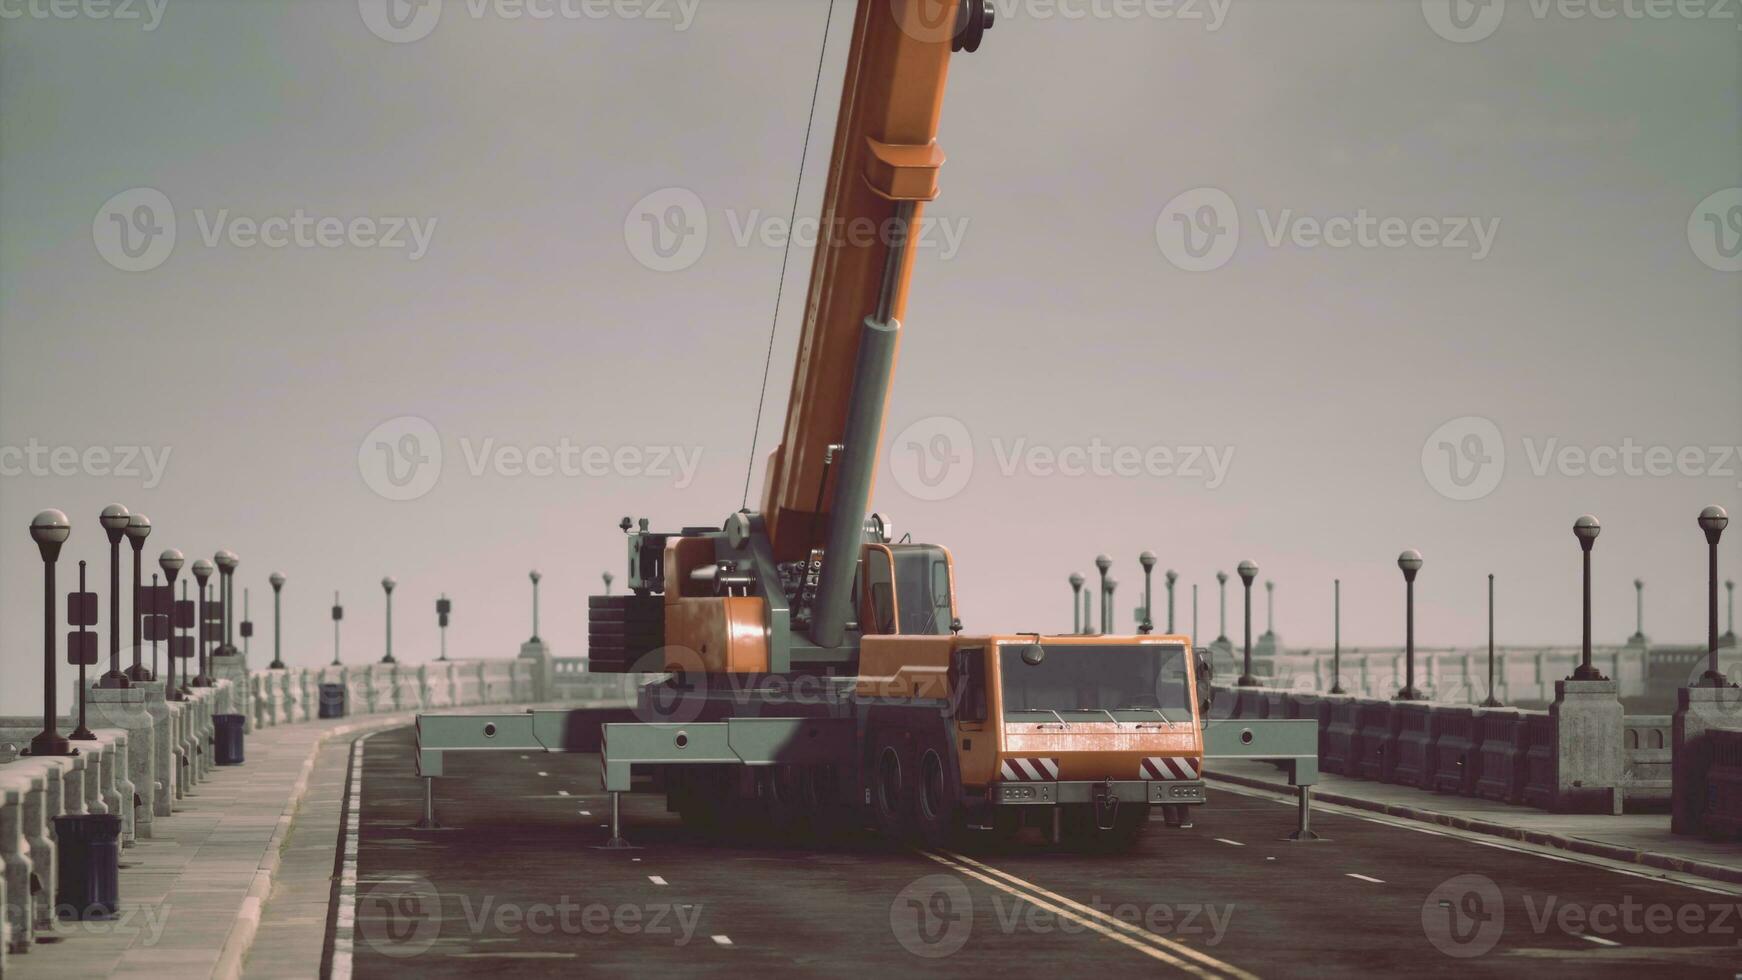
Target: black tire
{"points": [[937, 808], [892, 803]]}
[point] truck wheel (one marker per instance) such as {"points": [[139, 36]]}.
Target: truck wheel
{"points": [[891, 798], [936, 806]]}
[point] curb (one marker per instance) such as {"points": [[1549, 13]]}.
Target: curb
{"points": [[241, 936], [1577, 845]]}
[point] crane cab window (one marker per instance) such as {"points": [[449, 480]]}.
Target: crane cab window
{"points": [[925, 596], [877, 609]]}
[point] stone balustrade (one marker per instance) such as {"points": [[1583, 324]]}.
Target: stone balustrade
{"points": [[151, 752], [1451, 675]]}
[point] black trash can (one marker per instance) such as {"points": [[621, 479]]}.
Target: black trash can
{"points": [[227, 731], [332, 701], [88, 856]]}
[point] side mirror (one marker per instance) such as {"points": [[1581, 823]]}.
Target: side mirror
{"points": [[1206, 674], [1033, 654]]}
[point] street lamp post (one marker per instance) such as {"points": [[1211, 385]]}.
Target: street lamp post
{"points": [[1170, 578], [535, 579], [1410, 562], [247, 629], [609, 578], [49, 529], [1102, 563], [114, 521], [277, 582], [1076, 581], [1147, 560], [1491, 701], [1586, 529], [82, 647], [1194, 615], [387, 585], [338, 615], [171, 561], [1248, 571], [1713, 520], [202, 572], [226, 562], [1108, 597], [138, 529], [1337, 636], [1222, 607], [443, 607], [1730, 608], [1269, 608]]}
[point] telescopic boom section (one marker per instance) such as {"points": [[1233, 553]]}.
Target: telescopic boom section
{"points": [[885, 166]]}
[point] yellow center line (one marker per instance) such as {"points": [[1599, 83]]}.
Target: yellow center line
{"points": [[1125, 928], [1089, 922]]}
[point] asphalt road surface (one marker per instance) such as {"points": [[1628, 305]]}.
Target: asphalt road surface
{"points": [[515, 884]]}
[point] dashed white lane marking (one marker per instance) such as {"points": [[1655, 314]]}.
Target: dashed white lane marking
{"points": [[1234, 843], [562, 792], [544, 773], [1376, 881], [345, 931], [721, 940], [1599, 940], [586, 813], [656, 879]]}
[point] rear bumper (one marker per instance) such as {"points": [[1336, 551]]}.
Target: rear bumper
{"points": [[1184, 792]]}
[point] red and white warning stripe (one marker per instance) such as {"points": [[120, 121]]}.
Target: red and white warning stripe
{"points": [[1169, 767], [1029, 770]]}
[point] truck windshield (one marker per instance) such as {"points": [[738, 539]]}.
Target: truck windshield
{"points": [[1127, 682]]}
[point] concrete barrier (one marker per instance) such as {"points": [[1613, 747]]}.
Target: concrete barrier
{"points": [[1413, 762], [1378, 741], [1723, 810], [1340, 747], [1539, 761], [1457, 764], [1501, 746]]}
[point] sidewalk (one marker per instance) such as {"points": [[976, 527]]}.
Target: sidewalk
{"points": [[190, 896], [1635, 838]]}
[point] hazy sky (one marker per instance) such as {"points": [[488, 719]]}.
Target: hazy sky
{"points": [[1540, 262]]}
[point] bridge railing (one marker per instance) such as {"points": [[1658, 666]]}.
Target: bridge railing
{"points": [[150, 751]]}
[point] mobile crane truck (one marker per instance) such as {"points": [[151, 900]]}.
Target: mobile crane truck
{"points": [[816, 674]]}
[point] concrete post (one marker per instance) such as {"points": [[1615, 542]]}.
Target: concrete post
{"points": [[162, 748], [1698, 710], [125, 709], [1590, 757]]}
